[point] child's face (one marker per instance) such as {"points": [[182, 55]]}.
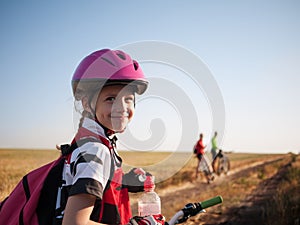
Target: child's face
{"points": [[115, 107]]}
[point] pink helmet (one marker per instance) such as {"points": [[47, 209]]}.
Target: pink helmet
{"points": [[107, 67]]}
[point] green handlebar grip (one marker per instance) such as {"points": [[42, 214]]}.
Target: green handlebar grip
{"points": [[211, 202]]}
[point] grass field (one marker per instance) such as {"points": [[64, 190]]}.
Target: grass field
{"points": [[173, 170], [14, 164], [168, 168]]}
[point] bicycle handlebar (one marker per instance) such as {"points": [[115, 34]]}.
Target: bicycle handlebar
{"points": [[192, 209], [211, 202]]}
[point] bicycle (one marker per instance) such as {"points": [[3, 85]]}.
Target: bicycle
{"points": [[223, 166], [192, 209], [223, 163], [205, 168]]}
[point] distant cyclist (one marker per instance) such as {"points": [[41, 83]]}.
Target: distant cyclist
{"points": [[202, 165], [214, 145], [221, 163]]}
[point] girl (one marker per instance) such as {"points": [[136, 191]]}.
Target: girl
{"points": [[95, 190]]}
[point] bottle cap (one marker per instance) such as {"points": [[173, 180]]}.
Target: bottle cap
{"points": [[149, 182]]}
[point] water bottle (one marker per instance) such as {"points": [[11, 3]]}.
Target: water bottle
{"points": [[149, 202]]}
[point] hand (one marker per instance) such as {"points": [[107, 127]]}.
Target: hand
{"points": [[148, 220], [134, 180]]}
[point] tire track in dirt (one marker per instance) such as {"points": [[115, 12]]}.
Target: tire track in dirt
{"points": [[173, 197], [189, 192], [171, 189]]}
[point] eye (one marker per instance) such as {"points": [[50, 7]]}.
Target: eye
{"points": [[110, 99], [129, 99]]}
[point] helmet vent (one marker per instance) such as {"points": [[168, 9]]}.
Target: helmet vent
{"points": [[135, 64], [122, 56], [108, 61]]}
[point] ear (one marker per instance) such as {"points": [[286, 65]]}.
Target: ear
{"points": [[85, 104], [93, 103]]}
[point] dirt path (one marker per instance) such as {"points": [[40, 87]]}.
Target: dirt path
{"points": [[253, 208], [250, 210]]}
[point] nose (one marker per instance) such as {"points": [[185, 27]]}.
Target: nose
{"points": [[120, 105]]}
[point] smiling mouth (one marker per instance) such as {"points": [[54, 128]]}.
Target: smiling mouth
{"points": [[119, 116]]}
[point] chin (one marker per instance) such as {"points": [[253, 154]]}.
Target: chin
{"points": [[118, 129], [119, 126]]}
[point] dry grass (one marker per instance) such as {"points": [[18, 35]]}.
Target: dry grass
{"points": [[286, 209], [168, 168], [14, 164]]}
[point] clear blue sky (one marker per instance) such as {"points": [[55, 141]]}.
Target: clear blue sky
{"points": [[251, 47]]}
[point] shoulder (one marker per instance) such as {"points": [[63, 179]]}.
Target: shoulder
{"points": [[92, 148]]}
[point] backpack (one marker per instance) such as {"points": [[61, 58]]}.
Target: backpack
{"points": [[195, 149], [33, 200]]}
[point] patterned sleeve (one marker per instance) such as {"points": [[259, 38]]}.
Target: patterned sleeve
{"points": [[90, 167]]}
